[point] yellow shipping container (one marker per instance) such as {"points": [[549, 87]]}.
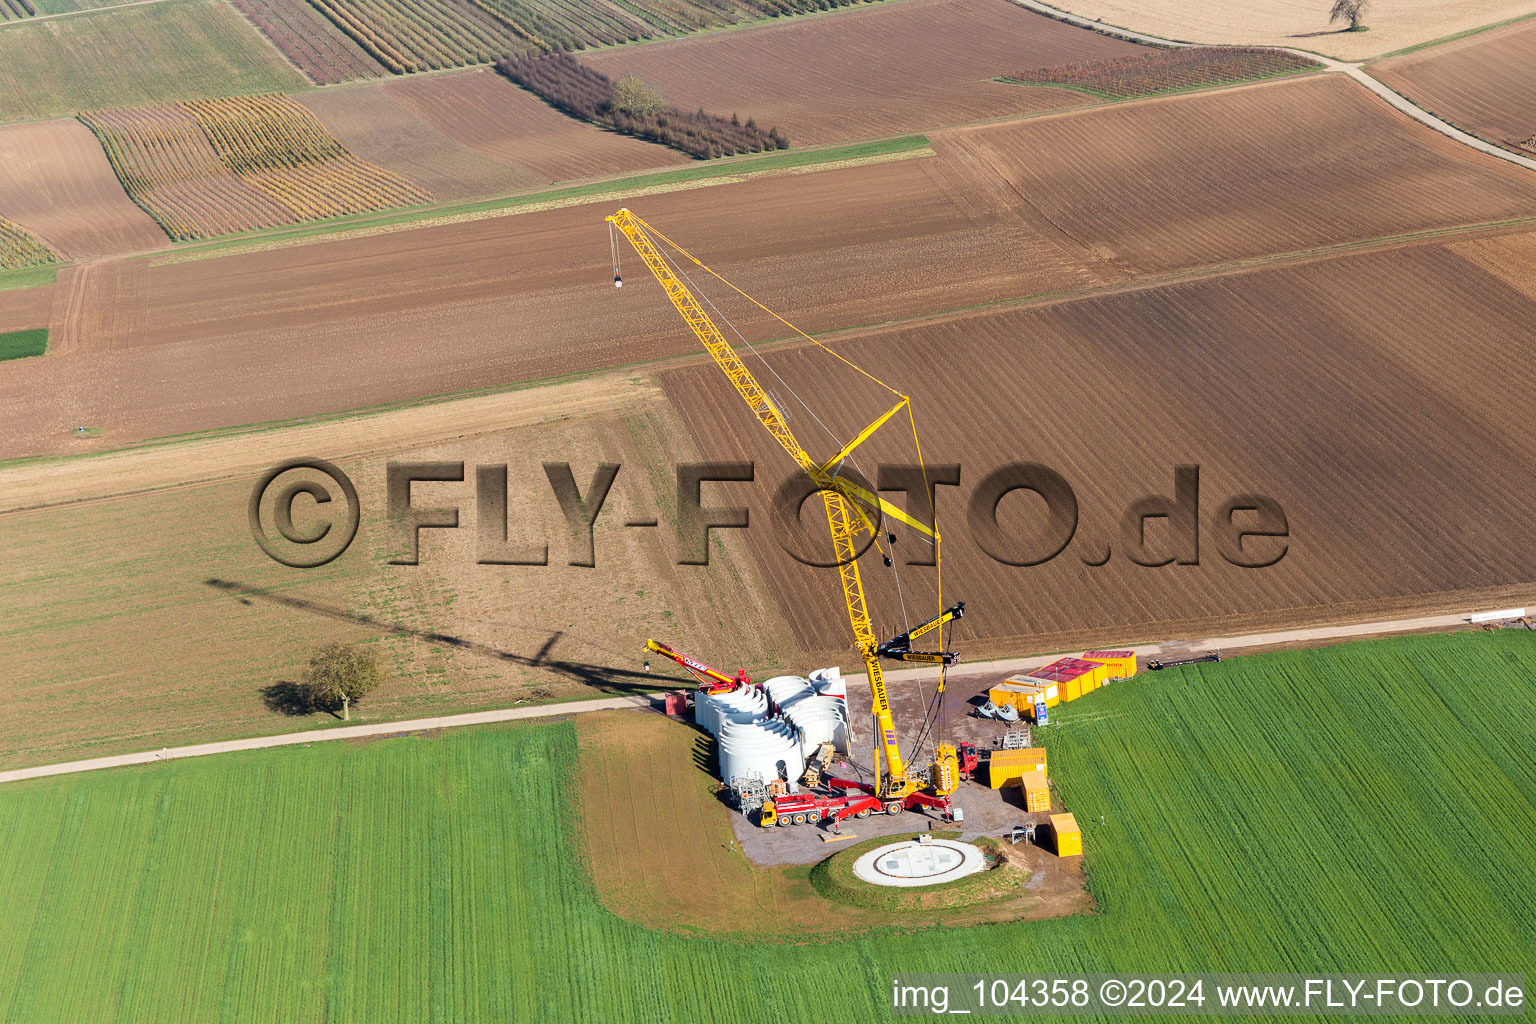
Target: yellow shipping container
{"points": [[1071, 689], [1120, 664], [1068, 838], [1037, 792], [1011, 693], [1006, 766]]}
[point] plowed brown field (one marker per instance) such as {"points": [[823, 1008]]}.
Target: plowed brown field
{"points": [[1358, 392], [1485, 84], [872, 72], [347, 322], [1242, 172], [353, 322], [56, 182], [24, 308], [484, 119], [373, 123]]}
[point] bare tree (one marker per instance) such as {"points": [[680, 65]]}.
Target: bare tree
{"points": [[1350, 10], [633, 95], [339, 674]]}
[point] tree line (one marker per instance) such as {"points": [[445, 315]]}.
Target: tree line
{"points": [[635, 108]]}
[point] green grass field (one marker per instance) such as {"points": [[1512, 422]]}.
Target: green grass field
{"points": [[21, 344], [178, 49], [1360, 808]]}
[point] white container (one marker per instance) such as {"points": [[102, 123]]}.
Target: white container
{"points": [[770, 747], [820, 720]]}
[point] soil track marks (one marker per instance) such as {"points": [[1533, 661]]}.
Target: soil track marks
{"points": [[1357, 392], [1266, 169], [872, 72], [1484, 84], [56, 182]]}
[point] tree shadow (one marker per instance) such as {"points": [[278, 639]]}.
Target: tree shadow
{"points": [[288, 698], [1322, 32], [603, 678]]}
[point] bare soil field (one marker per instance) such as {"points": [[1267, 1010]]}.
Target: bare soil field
{"points": [[873, 72], [342, 324], [1272, 168], [485, 112], [1394, 24], [372, 122], [56, 182], [1511, 258], [473, 134], [348, 322], [632, 764], [24, 308], [1354, 391], [133, 621], [1484, 84]]}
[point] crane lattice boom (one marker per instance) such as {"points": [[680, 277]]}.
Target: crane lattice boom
{"points": [[849, 507]]}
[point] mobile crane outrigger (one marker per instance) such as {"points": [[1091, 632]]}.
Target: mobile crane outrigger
{"points": [[852, 514]]}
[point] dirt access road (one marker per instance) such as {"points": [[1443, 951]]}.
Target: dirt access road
{"points": [[906, 685]]}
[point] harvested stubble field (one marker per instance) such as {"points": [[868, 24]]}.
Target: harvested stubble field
{"points": [[1163, 71], [1272, 168], [1485, 84], [180, 49], [1354, 391], [1393, 24], [868, 73], [473, 134], [137, 612], [303, 877], [212, 167], [56, 181], [310, 40]]}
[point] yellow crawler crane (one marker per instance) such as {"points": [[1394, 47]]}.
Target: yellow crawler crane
{"points": [[849, 509]]}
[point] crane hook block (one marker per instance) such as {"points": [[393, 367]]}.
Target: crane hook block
{"points": [[618, 282]]}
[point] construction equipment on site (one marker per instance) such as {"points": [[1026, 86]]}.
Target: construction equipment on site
{"points": [[1154, 665], [710, 680], [816, 765], [1013, 739], [853, 514], [1025, 833], [1007, 713], [899, 648], [750, 791]]}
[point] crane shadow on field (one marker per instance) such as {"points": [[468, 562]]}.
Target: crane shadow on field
{"points": [[604, 678]]}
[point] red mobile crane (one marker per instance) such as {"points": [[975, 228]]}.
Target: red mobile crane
{"points": [[711, 681]]}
